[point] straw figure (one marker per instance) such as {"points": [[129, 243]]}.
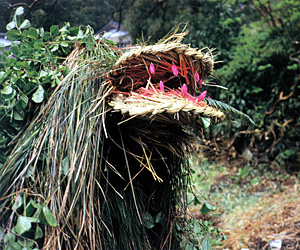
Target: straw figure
{"points": [[103, 165]]}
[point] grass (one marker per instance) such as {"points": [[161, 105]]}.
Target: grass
{"points": [[250, 202]]}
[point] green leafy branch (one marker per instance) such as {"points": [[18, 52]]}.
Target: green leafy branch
{"points": [[228, 109], [31, 69]]}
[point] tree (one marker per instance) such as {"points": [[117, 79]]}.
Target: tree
{"points": [[77, 12]]}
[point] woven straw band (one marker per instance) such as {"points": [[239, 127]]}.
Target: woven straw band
{"points": [[165, 109], [178, 48], [169, 50]]}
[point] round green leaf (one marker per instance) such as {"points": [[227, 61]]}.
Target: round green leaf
{"points": [[38, 233], [11, 25], [64, 44], [54, 30], [25, 24], [32, 33], [38, 95], [19, 11], [18, 115], [23, 225], [8, 92], [14, 35]]}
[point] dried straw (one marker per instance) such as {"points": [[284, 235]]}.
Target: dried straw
{"points": [[164, 108]]}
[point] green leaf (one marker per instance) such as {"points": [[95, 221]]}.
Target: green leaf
{"points": [[14, 35], [14, 246], [32, 33], [197, 228], [205, 121], [11, 237], [38, 95], [23, 225], [19, 115], [31, 207], [89, 42], [159, 218], [196, 201], [80, 34], [205, 244], [256, 89], [264, 67], [38, 233], [15, 49], [148, 220], [18, 202], [11, 25], [64, 44], [7, 90], [54, 30], [206, 208], [49, 217], [19, 11], [25, 24], [26, 243], [227, 108], [23, 100]]}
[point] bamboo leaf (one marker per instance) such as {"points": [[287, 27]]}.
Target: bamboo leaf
{"points": [[227, 108]]}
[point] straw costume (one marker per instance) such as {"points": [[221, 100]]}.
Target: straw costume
{"points": [[103, 165]]}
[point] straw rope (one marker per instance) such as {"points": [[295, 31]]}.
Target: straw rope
{"points": [[164, 108]]}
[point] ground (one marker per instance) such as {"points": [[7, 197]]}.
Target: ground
{"points": [[256, 203]]}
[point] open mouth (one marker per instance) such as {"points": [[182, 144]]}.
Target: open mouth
{"points": [[163, 81]]}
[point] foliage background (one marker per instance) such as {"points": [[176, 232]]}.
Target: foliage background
{"points": [[257, 43]]}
